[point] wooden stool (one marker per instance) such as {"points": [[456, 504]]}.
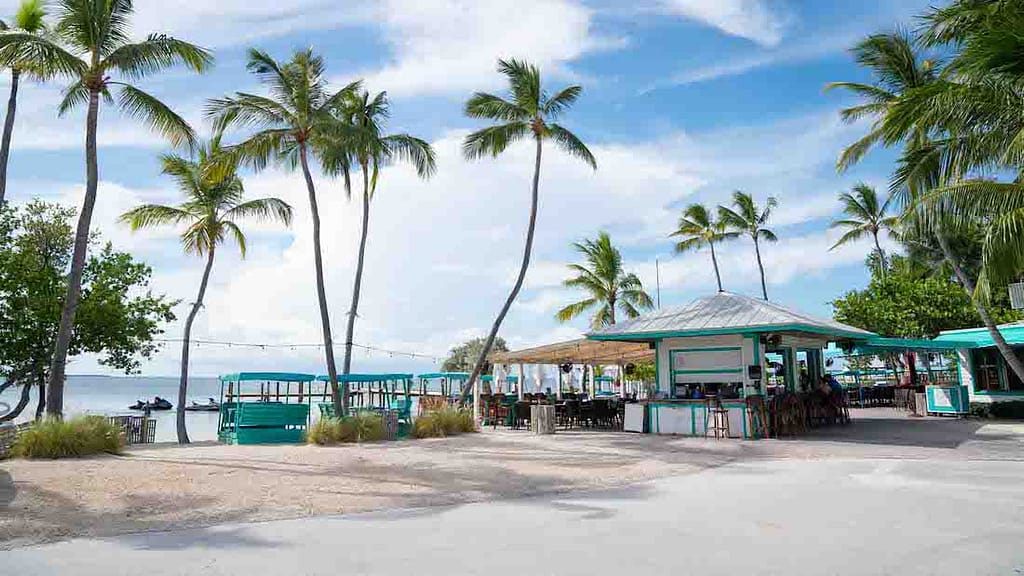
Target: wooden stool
{"points": [[716, 419]]}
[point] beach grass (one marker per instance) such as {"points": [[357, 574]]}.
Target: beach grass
{"points": [[80, 436], [445, 421], [360, 427]]}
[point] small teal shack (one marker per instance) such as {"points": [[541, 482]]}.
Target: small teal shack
{"points": [[258, 407]]}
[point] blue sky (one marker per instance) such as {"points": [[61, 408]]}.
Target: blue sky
{"points": [[685, 100]]}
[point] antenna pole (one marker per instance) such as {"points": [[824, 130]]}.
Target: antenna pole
{"points": [[657, 279]]}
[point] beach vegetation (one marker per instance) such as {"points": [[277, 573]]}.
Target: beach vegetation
{"points": [[72, 438], [119, 318], [213, 211], [462, 357], [94, 46], [529, 112], [745, 217], [358, 427], [608, 286], [698, 228], [444, 421]]}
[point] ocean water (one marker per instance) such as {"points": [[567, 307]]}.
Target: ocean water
{"points": [[111, 396]]}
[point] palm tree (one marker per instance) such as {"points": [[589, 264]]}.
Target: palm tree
{"points": [[289, 126], [211, 213], [865, 215], [93, 46], [530, 113], [30, 20], [608, 285], [362, 142], [748, 218], [949, 123], [698, 228]]}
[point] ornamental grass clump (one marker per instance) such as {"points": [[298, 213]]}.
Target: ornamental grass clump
{"points": [[360, 427], [446, 421], [79, 436]]}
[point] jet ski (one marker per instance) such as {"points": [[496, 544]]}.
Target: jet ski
{"points": [[158, 403], [210, 406]]}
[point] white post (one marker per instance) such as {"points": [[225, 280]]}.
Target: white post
{"points": [[521, 382], [476, 401], [558, 394], [622, 381]]}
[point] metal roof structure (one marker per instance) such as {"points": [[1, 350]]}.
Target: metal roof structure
{"points": [[267, 377], [581, 351], [354, 378], [980, 337], [725, 313]]}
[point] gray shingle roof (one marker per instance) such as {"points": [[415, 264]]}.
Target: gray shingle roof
{"points": [[726, 313]]}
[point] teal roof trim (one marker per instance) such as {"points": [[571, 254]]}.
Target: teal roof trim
{"points": [[881, 345], [365, 377], [448, 375], [980, 337], [267, 377], [490, 378]]}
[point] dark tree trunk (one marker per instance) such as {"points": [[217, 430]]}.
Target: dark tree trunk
{"points": [[881, 256], [760, 266], [5, 145], [22, 402], [340, 399], [1011, 358], [482, 360], [55, 386], [41, 404], [714, 261], [183, 382], [358, 284]]}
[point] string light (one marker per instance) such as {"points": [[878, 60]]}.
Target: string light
{"points": [[294, 346]]}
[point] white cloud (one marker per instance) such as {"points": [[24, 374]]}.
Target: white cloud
{"points": [[450, 46], [750, 19]]}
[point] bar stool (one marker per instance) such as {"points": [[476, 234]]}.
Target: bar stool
{"points": [[718, 418]]}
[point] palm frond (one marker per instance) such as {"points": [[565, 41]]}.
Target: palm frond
{"points": [[483, 105], [494, 140], [151, 215], [575, 309], [157, 115], [156, 53], [572, 145], [262, 209]]}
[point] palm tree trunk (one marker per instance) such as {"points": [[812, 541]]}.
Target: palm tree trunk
{"points": [[5, 145], [26, 390], [531, 227], [340, 400], [357, 286], [760, 266], [55, 386], [1011, 358], [183, 383], [714, 260], [41, 382], [881, 256], [611, 310]]}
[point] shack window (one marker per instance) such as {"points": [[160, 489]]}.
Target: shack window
{"points": [[987, 365], [1014, 383]]}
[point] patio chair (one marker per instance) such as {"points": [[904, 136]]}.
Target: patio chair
{"points": [[521, 415]]}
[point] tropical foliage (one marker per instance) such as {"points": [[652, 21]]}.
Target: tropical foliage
{"points": [[93, 45], [745, 217], [445, 421], [698, 228], [865, 215], [210, 215], [296, 122], [529, 111], [80, 436], [608, 286], [362, 141], [119, 317], [463, 357]]}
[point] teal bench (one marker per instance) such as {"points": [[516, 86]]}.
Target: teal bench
{"points": [[263, 423]]}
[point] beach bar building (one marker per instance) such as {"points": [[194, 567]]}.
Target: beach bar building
{"points": [[981, 368], [716, 346]]}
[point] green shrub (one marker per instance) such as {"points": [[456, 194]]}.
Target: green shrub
{"points": [[360, 427], [446, 421], [79, 436], [1013, 409]]}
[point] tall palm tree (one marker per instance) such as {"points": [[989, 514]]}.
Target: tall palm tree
{"points": [[30, 20], [362, 142], [609, 287], [211, 214], [746, 217], [289, 126], [529, 113], [698, 228], [865, 215], [93, 46]]}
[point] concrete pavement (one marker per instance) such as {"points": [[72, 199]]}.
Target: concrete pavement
{"points": [[790, 517]]}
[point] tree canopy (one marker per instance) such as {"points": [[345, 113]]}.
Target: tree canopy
{"points": [[462, 357]]}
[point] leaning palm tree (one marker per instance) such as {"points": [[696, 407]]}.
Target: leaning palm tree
{"points": [[865, 215], [530, 113], [698, 228], [608, 286], [289, 126], [29, 20], [93, 45], [361, 141], [211, 214], [745, 217]]}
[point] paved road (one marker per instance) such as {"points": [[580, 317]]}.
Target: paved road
{"points": [[757, 517]]}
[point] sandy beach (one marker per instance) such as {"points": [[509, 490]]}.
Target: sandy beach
{"points": [[165, 486]]}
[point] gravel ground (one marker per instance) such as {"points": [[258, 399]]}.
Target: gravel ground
{"points": [[170, 487]]}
